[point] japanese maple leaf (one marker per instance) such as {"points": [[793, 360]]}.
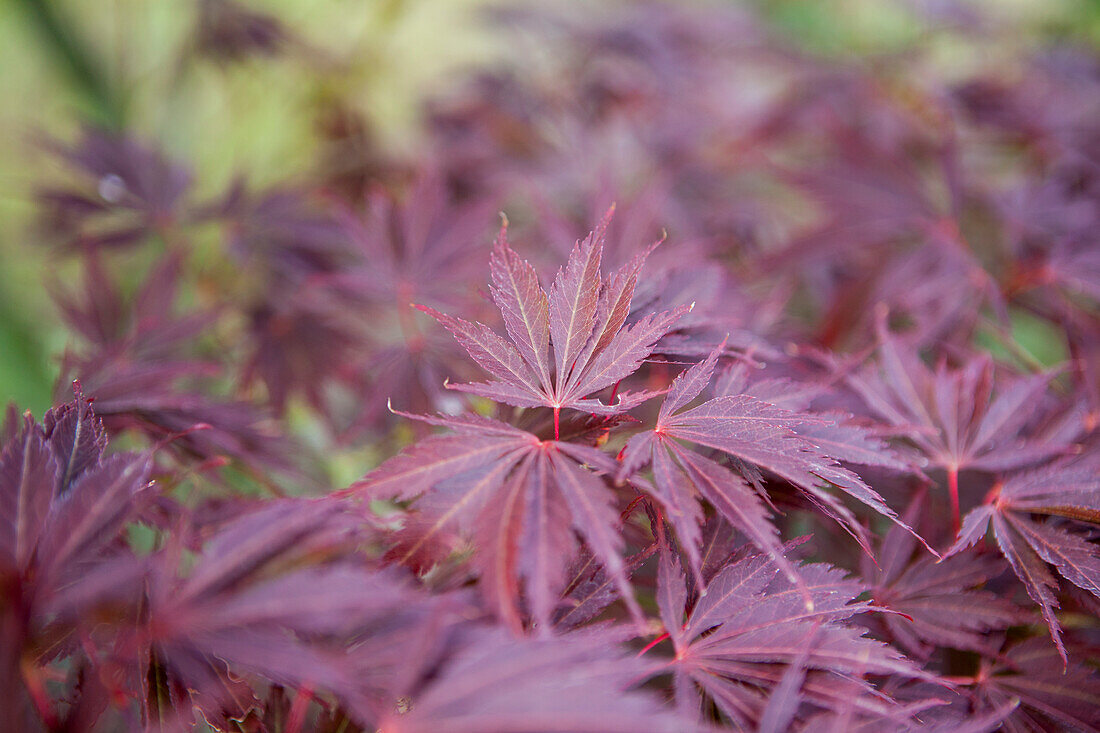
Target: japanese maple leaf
{"points": [[519, 497], [923, 707], [874, 199], [943, 603], [63, 502], [61, 498], [1051, 696], [960, 418], [838, 434], [683, 477], [417, 249], [420, 248], [582, 317], [578, 682], [122, 191], [284, 235], [941, 289], [302, 335], [138, 356], [1063, 489], [256, 600], [751, 624], [751, 430]]}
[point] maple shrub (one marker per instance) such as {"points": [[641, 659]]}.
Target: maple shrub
{"points": [[779, 410]]}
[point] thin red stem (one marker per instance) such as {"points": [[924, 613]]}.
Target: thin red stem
{"points": [[614, 392], [630, 507], [953, 489], [557, 423], [297, 716], [660, 536], [653, 643]]}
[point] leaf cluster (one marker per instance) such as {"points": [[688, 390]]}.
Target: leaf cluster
{"points": [[731, 427]]}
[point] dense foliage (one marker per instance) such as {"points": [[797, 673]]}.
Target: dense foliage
{"points": [[778, 411]]}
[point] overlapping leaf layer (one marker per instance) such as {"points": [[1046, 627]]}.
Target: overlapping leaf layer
{"points": [[802, 435]]}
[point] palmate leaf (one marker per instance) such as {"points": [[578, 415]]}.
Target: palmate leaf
{"points": [[257, 602], [753, 431], [968, 417], [137, 360], [519, 499], [926, 708], [145, 190], [574, 683], [836, 434], [424, 245], [61, 499], [1051, 695], [590, 589], [1064, 489], [959, 418], [63, 505], [421, 246], [943, 603], [582, 320], [751, 625]]}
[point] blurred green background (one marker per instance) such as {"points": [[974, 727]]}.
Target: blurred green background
{"points": [[129, 63]]}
